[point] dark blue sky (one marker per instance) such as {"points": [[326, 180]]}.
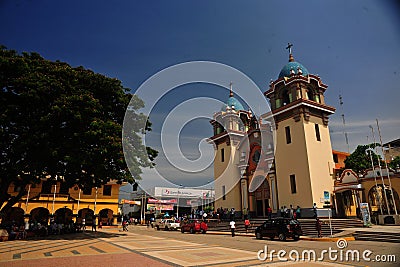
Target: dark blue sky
{"points": [[352, 45]]}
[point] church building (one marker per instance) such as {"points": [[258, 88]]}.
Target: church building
{"points": [[283, 157]]}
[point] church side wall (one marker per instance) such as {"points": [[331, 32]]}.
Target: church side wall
{"points": [[291, 159], [320, 159]]}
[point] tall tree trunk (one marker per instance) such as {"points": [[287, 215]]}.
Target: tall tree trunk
{"points": [[12, 200], [4, 196]]}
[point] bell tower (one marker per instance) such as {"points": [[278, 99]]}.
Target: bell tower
{"points": [[230, 126], [303, 156]]}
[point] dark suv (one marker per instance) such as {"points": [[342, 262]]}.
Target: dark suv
{"points": [[193, 226], [280, 227]]}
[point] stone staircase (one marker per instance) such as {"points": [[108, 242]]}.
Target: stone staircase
{"points": [[239, 224], [309, 229], [307, 225]]}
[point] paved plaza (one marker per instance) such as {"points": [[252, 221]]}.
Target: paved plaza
{"points": [[143, 246]]}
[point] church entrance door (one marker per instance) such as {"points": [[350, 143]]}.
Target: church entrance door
{"points": [[262, 198]]}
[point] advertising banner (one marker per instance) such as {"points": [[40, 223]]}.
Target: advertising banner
{"points": [[132, 202], [183, 192], [160, 207], [161, 201]]}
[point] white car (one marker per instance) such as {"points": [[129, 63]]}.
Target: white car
{"points": [[168, 224]]}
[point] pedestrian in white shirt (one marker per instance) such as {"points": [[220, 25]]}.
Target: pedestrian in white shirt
{"points": [[232, 224]]}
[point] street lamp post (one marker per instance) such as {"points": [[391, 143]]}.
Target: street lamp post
{"points": [[95, 202], [141, 208], [54, 195], [177, 204]]}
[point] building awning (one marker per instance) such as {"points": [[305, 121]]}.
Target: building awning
{"points": [[339, 189]]}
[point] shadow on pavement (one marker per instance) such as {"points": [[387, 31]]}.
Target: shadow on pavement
{"points": [[74, 236]]}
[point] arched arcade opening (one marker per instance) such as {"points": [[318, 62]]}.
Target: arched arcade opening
{"points": [[86, 213], [40, 215], [106, 216], [63, 215]]}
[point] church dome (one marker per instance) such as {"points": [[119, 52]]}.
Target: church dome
{"points": [[232, 102], [295, 66]]}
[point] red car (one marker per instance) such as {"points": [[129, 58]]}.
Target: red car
{"points": [[194, 226]]}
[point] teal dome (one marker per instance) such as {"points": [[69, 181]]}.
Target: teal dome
{"points": [[232, 102], [285, 72]]}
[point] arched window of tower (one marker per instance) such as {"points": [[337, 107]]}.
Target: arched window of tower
{"points": [[310, 94], [286, 95]]}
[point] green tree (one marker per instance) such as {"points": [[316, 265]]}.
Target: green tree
{"points": [[395, 163], [360, 160], [60, 121]]}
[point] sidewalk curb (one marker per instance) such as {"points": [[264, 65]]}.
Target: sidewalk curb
{"points": [[229, 233], [327, 239]]}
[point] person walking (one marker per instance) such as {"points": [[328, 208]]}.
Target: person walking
{"points": [[318, 226], [286, 211], [233, 214], [246, 224], [232, 224], [269, 212], [124, 226], [291, 212], [315, 210], [298, 212], [83, 224], [94, 225]]}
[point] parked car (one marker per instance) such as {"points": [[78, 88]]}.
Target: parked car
{"points": [[167, 224], [194, 226], [280, 227]]}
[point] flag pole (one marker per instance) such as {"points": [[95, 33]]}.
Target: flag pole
{"points": [[380, 170], [27, 198], [376, 183], [54, 195], [387, 169]]}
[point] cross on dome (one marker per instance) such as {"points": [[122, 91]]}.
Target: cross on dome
{"points": [[230, 89], [289, 47]]}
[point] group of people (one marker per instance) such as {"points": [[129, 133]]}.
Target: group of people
{"points": [[34, 228], [290, 212], [81, 224], [221, 214]]}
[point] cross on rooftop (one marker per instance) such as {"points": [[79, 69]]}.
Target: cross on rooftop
{"points": [[289, 46]]}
